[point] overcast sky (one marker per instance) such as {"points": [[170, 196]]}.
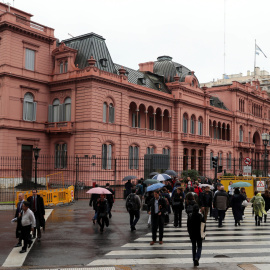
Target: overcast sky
{"points": [[190, 31]]}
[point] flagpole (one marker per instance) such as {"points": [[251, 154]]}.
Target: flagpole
{"points": [[255, 59]]}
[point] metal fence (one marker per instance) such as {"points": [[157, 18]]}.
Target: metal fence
{"points": [[83, 172]]}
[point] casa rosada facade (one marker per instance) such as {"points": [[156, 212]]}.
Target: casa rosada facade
{"points": [[70, 98]]}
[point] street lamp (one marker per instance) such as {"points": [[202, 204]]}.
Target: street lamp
{"points": [[36, 155], [265, 139]]}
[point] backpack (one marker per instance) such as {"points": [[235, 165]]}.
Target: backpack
{"points": [[130, 204], [189, 209]]}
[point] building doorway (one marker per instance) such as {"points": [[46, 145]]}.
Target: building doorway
{"points": [[26, 163]]}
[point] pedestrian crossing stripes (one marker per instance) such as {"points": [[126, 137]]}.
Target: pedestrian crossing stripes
{"points": [[230, 244]]}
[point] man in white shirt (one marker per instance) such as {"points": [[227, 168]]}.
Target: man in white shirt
{"points": [[18, 215], [28, 225]]}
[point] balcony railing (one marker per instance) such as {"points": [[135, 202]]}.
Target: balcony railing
{"points": [[59, 127], [195, 138]]}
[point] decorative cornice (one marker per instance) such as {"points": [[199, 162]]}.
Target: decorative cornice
{"points": [[29, 88]]}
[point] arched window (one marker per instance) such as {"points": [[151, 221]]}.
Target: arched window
{"points": [[241, 134], [166, 151], [67, 109], [200, 126], [61, 155], [185, 123], [29, 107], [133, 157], [111, 113], [106, 156], [56, 110], [185, 159], [192, 124], [150, 150], [104, 112]]}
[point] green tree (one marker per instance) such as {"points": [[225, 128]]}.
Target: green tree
{"points": [[193, 174]]}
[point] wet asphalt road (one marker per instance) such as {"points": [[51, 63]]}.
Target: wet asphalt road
{"points": [[71, 239]]}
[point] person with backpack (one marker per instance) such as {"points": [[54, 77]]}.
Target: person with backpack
{"points": [[157, 208], [139, 189], [102, 212], [189, 204], [259, 208], [133, 206], [194, 230]]}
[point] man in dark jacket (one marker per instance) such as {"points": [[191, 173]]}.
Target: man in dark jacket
{"points": [[110, 199], [157, 208], [93, 202], [128, 187], [37, 207], [18, 215], [133, 205], [206, 199], [221, 202]]}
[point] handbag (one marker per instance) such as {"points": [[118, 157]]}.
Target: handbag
{"points": [[245, 203], [203, 233], [103, 215]]}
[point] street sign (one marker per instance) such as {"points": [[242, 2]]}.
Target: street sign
{"points": [[247, 170], [260, 186], [247, 161]]}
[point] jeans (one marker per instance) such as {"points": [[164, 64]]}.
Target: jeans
{"points": [[221, 216], [134, 214], [196, 248]]}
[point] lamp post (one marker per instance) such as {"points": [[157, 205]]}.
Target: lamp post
{"points": [[265, 139], [36, 155]]}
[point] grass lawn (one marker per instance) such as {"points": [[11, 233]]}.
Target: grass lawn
{"points": [[7, 202]]}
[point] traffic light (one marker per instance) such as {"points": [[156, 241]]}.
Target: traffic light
{"points": [[214, 161]]}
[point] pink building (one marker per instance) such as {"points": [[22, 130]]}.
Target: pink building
{"points": [[70, 98]]}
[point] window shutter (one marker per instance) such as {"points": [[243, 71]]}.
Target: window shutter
{"points": [[104, 112], [29, 59], [61, 113], [50, 114], [104, 156], [109, 157], [25, 110], [131, 157], [112, 109], [34, 117], [136, 157]]}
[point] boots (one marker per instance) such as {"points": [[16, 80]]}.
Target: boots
{"points": [[265, 216]]}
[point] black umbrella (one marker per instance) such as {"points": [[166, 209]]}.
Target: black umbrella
{"points": [[129, 177], [171, 172], [153, 173]]}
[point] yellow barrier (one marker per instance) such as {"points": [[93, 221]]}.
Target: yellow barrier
{"points": [[225, 180], [52, 196]]}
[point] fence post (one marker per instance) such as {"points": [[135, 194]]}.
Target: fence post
{"points": [[77, 178], [234, 166], [115, 170]]}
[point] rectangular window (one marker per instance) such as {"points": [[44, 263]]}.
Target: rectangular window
{"points": [[104, 156], [133, 157], [229, 161], [211, 161], [111, 114], [30, 59], [184, 125], [61, 156]]}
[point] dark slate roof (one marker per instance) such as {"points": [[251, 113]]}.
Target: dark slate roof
{"points": [[151, 80], [166, 67], [91, 45], [216, 102]]}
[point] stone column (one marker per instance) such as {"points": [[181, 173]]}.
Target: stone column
{"points": [[154, 121], [146, 115], [137, 115], [162, 122]]}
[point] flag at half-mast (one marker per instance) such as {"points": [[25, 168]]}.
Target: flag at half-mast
{"points": [[258, 50]]}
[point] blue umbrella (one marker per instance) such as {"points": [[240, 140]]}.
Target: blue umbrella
{"points": [[155, 186], [241, 184], [162, 177]]}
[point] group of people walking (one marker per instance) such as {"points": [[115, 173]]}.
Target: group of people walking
{"points": [[30, 217]]}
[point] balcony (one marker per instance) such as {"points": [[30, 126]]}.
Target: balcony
{"points": [[246, 145], [59, 127], [221, 142], [149, 132], [192, 138]]}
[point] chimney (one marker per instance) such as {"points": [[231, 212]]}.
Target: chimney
{"points": [[148, 66]]}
